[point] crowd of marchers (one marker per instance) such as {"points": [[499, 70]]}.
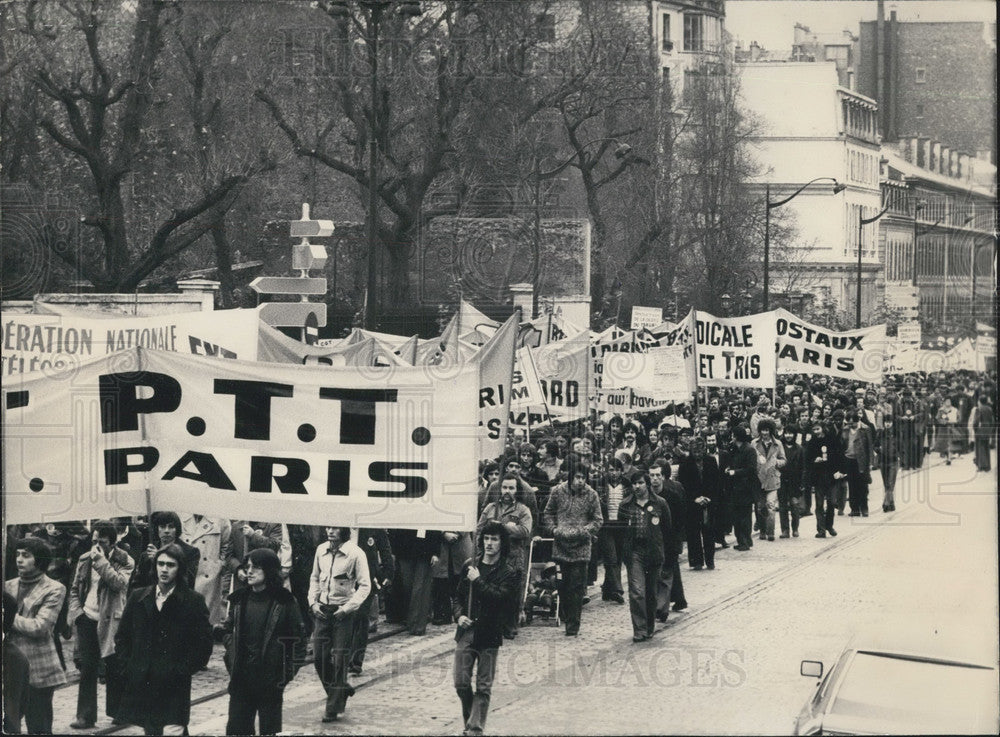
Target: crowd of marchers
{"points": [[144, 600]]}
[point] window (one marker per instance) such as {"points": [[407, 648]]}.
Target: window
{"points": [[921, 75], [920, 110], [546, 26], [666, 40], [694, 32]]}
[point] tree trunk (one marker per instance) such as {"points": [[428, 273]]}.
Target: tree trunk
{"points": [[223, 262]]}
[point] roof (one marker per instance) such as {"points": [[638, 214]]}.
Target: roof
{"points": [[911, 170]]}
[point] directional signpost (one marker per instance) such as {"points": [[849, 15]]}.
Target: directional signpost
{"points": [[306, 256]]}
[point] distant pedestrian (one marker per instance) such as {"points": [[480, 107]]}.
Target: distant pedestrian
{"points": [[823, 472], [770, 461], [39, 599], [486, 592], [889, 459], [339, 585], [265, 645], [164, 638], [742, 472], [984, 430], [96, 602]]}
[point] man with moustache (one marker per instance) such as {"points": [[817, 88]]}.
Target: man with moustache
{"points": [[338, 587]]}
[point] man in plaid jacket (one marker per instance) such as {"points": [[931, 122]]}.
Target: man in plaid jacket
{"points": [[39, 601]]}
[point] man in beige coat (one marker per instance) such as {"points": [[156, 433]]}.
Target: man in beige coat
{"points": [[96, 600], [212, 536]]}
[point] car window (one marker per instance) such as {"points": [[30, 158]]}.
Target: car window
{"points": [[915, 691], [823, 692]]}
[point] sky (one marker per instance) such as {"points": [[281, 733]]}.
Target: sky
{"points": [[770, 22]]}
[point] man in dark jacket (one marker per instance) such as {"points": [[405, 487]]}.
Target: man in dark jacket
{"points": [[375, 545], [889, 458], [790, 491], [743, 479], [699, 475], [823, 462], [646, 520], [488, 589], [164, 529], [163, 639], [265, 645], [671, 588]]}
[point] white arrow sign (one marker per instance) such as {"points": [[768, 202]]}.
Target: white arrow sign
{"points": [[288, 285]]}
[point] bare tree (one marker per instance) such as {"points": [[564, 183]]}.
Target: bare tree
{"points": [[100, 67]]}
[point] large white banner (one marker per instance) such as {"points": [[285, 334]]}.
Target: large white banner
{"points": [[363, 447], [57, 343], [563, 375], [804, 348], [735, 351], [640, 382], [496, 366]]}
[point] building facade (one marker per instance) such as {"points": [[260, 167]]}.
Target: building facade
{"points": [[944, 203], [812, 127], [936, 80]]}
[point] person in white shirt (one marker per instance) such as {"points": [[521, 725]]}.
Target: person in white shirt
{"points": [[338, 587]]}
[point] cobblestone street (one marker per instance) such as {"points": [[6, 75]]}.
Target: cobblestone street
{"points": [[729, 664]]}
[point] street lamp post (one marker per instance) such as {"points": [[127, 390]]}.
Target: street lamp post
{"points": [[862, 221], [768, 206], [917, 207], [376, 11]]}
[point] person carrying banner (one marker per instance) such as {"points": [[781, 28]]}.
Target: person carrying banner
{"points": [[381, 565], [511, 512], [486, 592]]}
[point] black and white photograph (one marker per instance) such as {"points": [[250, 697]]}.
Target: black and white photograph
{"points": [[499, 367]]}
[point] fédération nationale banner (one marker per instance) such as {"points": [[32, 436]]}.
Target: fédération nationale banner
{"points": [[57, 343], [810, 349], [365, 447]]}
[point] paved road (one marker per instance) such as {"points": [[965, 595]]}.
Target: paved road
{"points": [[727, 665]]}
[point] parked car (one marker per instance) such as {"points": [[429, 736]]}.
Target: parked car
{"points": [[905, 683]]}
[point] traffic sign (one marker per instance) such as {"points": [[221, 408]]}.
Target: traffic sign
{"points": [[292, 314], [311, 228], [288, 285], [306, 256]]}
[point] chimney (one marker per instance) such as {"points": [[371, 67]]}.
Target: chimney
{"points": [[963, 164], [944, 162], [934, 164], [923, 152]]}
